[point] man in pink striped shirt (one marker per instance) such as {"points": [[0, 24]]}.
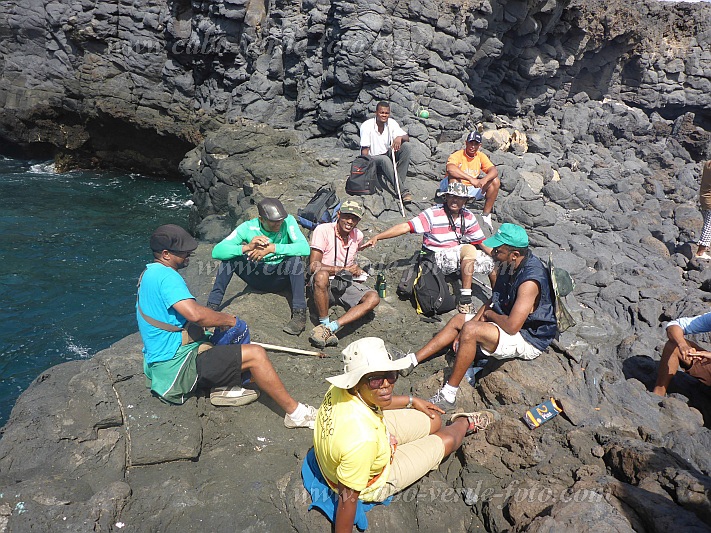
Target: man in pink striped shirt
{"points": [[450, 231]]}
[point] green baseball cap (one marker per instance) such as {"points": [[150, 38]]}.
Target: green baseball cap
{"points": [[510, 234]]}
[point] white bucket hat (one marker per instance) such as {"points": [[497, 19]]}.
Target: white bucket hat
{"points": [[362, 357]]}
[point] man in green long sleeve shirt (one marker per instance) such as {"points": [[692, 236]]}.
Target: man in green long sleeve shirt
{"points": [[266, 253]]}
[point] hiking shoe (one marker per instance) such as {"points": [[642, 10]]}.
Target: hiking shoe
{"points": [[322, 336], [465, 308], [309, 421], [407, 198], [212, 306], [232, 396], [479, 420], [440, 401], [297, 323]]}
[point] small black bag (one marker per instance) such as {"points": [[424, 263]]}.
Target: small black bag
{"points": [[363, 178], [341, 281], [430, 291], [322, 207]]}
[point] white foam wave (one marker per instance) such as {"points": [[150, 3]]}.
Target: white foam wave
{"points": [[170, 202], [78, 350], [43, 168]]}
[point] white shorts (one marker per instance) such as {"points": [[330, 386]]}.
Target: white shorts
{"points": [[510, 346], [449, 261]]}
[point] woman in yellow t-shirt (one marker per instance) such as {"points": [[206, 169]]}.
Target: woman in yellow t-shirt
{"points": [[369, 443]]}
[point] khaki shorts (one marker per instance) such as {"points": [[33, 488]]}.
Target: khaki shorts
{"points": [[417, 451], [510, 346]]}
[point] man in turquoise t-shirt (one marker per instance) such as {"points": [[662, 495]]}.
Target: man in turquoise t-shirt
{"points": [[266, 253], [178, 359]]}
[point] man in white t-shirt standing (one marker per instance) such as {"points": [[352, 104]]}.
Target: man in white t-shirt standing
{"points": [[380, 135]]}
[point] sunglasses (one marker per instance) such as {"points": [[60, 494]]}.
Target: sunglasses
{"points": [[375, 382], [182, 255]]}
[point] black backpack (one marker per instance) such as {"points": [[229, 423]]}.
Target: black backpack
{"points": [[430, 290], [363, 178], [322, 207]]}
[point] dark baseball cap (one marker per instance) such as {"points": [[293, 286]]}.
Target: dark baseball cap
{"points": [[172, 238], [474, 136], [271, 209]]}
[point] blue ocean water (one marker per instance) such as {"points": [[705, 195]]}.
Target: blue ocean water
{"points": [[71, 248]]}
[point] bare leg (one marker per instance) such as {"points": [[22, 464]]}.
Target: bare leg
{"points": [[473, 333], [443, 339], [369, 302], [453, 435], [467, 270], [491, 191], [254, 359], [321, 286]]}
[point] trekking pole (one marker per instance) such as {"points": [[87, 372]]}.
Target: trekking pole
{"points": [[397, 184]]}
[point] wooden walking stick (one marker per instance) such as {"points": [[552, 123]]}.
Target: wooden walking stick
{"points": [[289, 350]]}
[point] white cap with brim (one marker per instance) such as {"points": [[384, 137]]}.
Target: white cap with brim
{"points": [[365, 356]]}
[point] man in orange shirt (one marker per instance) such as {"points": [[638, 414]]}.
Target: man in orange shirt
{"points": [[466, 166]]}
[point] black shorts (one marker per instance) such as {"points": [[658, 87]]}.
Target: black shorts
{"points": [[220, 366]]}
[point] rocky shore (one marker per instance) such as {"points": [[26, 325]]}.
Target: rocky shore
{"points": [[597, 117]]}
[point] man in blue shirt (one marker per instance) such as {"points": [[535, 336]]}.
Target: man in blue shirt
{"points": [[178, 357], [680, 352]]}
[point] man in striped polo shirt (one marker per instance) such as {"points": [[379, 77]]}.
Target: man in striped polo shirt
{"points": [[449, 231]]}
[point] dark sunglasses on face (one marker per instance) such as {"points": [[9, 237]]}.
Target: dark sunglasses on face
{"points": [[377, 381], [183, 255]]}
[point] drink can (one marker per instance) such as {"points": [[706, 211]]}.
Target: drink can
{"points": [[542, 413], [383, 289]]}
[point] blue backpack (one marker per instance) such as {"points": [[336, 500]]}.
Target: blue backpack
{"points": [[323, 207]]}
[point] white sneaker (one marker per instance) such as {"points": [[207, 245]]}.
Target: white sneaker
{"points": [[232, 396], [309, 421]]}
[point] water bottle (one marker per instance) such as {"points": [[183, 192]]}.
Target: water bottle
{"points": [[381, 285]]}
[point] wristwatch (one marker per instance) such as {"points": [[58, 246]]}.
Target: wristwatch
{"points": [[409, 404]]}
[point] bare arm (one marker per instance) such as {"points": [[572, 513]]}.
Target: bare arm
{"points": [[346, 510], [395, 231], [453, 171], [400, 402], [397, 141], [365, 150], [524, 306], [316, 265], [203, 316], [676, 335], [491, 175]]}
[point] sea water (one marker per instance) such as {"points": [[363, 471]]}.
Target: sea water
{"points": [[71, 249]]}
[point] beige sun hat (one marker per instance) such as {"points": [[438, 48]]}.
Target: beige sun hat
{"points": [[362, 357]]}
